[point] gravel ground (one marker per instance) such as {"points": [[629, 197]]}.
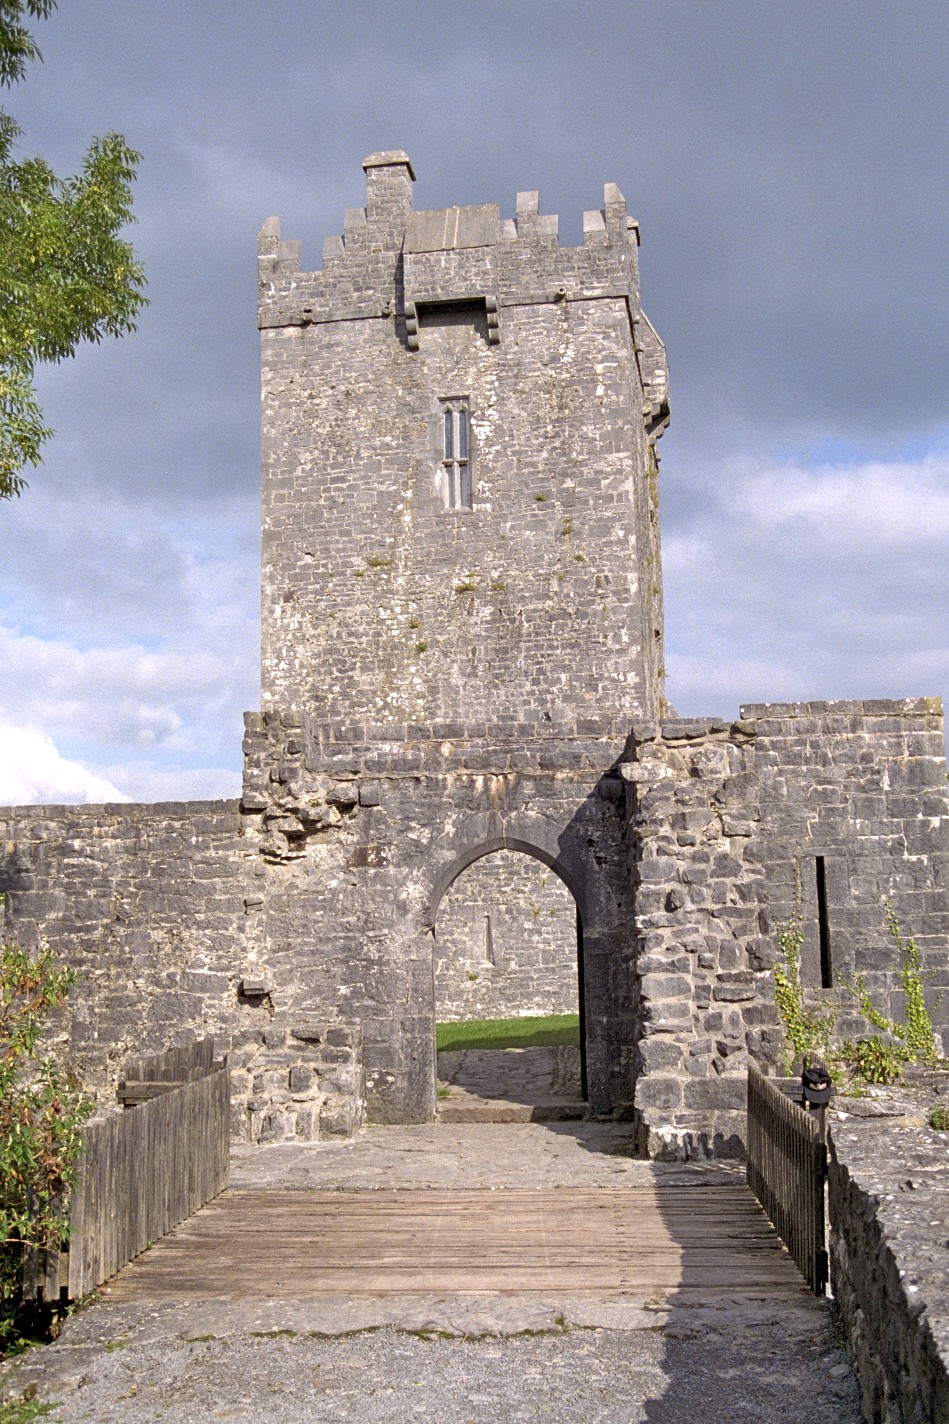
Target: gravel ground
{"points": [[714, 1365]]}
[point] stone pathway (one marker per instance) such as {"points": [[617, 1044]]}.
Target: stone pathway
{"points": [[510, 1085], [459, 1359]]}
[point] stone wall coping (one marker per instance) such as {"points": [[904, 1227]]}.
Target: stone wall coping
{"points": [[869, 707], [496, 733], [138, 810]]}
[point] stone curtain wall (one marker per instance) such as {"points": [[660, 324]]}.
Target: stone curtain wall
{"points": [[862, 784], [725, 818], [527, 963], [145, 903], [298, 928], [150, 905], [889, 1213]]}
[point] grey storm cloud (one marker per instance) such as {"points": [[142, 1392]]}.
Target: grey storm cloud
{"points": [[787, 164]]}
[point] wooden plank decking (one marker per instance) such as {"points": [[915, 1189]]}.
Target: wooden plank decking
{"points": [[650, 1240]]}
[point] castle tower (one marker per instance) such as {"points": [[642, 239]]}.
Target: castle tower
{"points": [[459, 473]]}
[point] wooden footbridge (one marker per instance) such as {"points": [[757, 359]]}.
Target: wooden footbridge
{"points": [[443, 1210], [650, 1241]]}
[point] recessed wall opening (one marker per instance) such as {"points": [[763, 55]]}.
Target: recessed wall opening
{"points": [[438, 316], [508, 992], [823, 925]]}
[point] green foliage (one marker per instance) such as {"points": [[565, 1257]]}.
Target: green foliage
{"points": [[918, 1035], [878, 1058], [41, 1116], [939, 1119], [913, 1041], [17, 46], [65, 274], [547, 1031], [21, 1411], [807, 1031], [874, 1060]]}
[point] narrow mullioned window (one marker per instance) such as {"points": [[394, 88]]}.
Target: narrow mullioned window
{"points": [[456, 463]]}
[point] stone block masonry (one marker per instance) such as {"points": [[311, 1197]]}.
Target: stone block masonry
{"points": [[727, 823], [889, 1218], [383, 604], [150, 906], [506, 942], [462, 670]]}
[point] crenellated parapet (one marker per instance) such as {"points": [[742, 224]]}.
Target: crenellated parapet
{"points": [[393, 263]]}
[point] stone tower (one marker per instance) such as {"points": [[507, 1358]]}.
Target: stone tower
{"points": [[461, 598], [459, 473]]}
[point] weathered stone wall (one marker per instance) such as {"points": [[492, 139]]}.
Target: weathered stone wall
{"points": [[726, 820], [703, 958], [150, 906], [506, 942], [299, 928], [145, 903], [889, 1218], [862, 784], [543, 601], [360, 841]]}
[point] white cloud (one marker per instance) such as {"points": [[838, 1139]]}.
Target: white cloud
{"points": [[33, 772], [792, 582], [129, 635], [878, 504], [150, 782]]}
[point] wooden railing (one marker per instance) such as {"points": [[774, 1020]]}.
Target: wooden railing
{"points": [[142, 1171], [787, 1171]]}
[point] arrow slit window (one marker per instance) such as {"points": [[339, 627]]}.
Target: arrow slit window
{"points": [[456, 461]]}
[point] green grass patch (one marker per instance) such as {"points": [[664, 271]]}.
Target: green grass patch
{"points": [[548, 1032]]}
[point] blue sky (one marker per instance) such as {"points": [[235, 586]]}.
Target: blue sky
{"points": [[787, 164]]}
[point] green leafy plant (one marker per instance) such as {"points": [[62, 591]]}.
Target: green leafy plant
{"points": [[807, 1031], [66, 275], [913, 1041], [421, 646], [23, 1410], [41, 1117], [939, 1119], [877, 1058], [874, 1059], [378, 561], [918, 1036], [467, 585]]}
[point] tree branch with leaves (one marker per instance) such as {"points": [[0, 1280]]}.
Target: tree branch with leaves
{"points": [[66, 273]]}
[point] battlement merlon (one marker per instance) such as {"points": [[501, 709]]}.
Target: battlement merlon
{"points": [[391, 259]]}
